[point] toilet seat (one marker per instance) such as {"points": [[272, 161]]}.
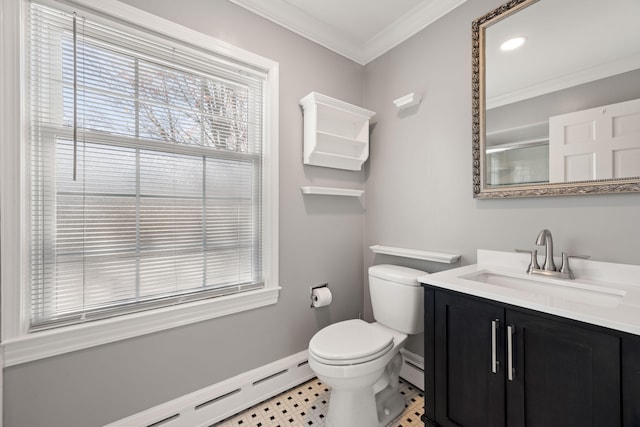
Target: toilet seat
{"points": [[349, 342]]}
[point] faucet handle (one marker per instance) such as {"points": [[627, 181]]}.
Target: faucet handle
{"points": [[533, 265], [564, 268]]}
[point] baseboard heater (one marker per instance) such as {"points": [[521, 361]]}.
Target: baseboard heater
{"points": [[222, 400]]}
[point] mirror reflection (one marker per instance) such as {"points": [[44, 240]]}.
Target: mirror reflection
{"points": [[561, 94]]}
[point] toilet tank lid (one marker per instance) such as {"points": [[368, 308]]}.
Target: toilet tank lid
{"points": [[397, 274]]}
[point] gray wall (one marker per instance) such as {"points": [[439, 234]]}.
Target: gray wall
{"points": [[320, 241], [611, 90], [419, 176]]}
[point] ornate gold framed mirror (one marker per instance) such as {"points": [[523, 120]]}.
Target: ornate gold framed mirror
{"points": [[560, 114]]}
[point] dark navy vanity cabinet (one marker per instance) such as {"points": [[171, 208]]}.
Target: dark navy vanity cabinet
{"points": [[489, 364]]}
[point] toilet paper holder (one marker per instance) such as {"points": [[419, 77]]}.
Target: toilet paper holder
{"points": [[312, 288]]}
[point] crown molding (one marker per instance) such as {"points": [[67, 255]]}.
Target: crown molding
{"points": [[343, 43], [407, 26], [305, 25], [566, 81]]}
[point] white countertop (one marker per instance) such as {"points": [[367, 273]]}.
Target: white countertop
{"points": [[618, 309]]}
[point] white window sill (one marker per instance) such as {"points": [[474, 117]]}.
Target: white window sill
{"points": [[40, 345]]}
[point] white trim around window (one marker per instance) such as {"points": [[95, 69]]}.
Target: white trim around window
{"points": [[18, 345]]}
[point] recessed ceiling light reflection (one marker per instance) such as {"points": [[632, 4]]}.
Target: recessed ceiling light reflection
{"points": [[513, 43]]}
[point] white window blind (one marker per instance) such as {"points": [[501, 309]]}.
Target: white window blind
{"points": [[146, 171]]}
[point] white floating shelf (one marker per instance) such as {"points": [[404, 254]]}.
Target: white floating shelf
{"points": [[336, 133], [416, 254], [407, 101], [331, 191]]}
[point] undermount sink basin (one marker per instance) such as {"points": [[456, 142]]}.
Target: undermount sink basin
{"points": [[551, 289]]}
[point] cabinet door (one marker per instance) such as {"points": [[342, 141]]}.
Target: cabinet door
{"points": [[631, 381], [468, 391], [429, 356], [563, 375]]}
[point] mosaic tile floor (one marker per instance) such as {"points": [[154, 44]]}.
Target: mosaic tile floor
{"points": [[306, 405]]}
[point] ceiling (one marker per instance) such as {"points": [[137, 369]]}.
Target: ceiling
{"points": [[602, 38], [360, 30], [569, 42]]}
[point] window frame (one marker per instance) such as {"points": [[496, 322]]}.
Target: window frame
{"points": [[18, 344]]}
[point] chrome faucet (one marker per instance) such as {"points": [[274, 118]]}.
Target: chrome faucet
{"points": [[545, 239], [549, 267]]}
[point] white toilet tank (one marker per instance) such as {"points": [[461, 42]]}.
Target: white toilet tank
{"points": [[397, 297]]}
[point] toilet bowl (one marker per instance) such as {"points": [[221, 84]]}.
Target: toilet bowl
{"points": [[356, 382], [361, 361]]}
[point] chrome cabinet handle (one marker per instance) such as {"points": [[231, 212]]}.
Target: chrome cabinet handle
{"points": [[511, 372], [495, 365]]}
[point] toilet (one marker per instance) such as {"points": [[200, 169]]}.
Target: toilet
{"points": [[361, 361]]}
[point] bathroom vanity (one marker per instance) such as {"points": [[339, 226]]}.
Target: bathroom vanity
{"points": [[504, 348]]}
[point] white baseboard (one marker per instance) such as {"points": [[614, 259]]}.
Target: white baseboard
{"points": [[412, 368], [222, 400]]}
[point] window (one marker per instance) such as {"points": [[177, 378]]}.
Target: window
{"points": [[152, 169]]}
